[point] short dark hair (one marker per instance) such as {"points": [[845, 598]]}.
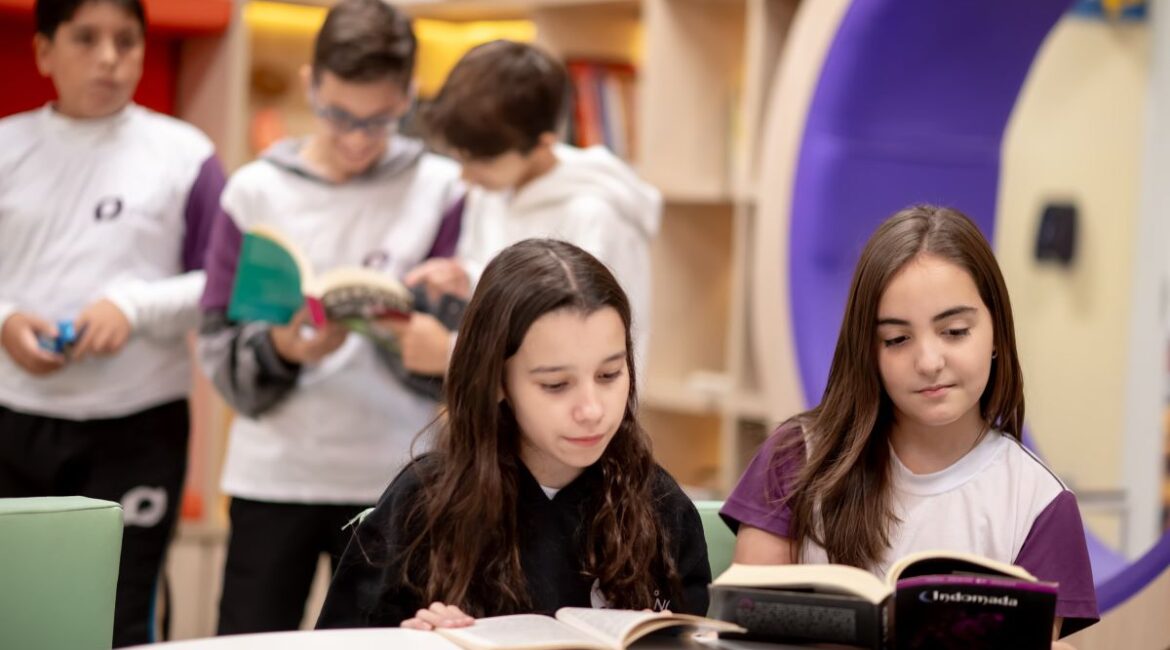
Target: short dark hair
{"points": [[51, 13], [365, 40], [501, 96]]}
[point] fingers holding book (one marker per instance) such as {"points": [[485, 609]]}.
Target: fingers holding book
{"points": [[299, 342]]}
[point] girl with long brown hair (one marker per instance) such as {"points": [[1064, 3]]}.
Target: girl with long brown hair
{"points": [[915, 444], [541, 491]]}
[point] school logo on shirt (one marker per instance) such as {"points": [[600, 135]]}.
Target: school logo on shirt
{"points": [[108, 208], [660, 604], [144, 506], [376, 259], [597, 600]]}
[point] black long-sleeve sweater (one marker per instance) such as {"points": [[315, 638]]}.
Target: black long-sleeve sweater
{"points": [[368, 591]]}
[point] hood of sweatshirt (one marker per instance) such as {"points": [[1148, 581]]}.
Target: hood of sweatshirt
{"points": [[594, 172], [401, 154]]}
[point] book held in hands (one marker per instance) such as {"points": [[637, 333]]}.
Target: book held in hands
{"points": [[930, 600], [274, 280]]}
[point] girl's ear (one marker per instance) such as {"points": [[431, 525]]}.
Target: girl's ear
{"points": [[548, 139]]}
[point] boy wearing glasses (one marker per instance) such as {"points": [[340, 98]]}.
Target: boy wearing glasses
{"points": [[322, 419], [106, 208]]}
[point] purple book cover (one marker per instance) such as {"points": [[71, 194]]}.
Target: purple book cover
{"points": [[960, 612]]}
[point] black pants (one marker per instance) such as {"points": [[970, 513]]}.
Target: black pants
{"points": [[138, 460], [272, 556]]}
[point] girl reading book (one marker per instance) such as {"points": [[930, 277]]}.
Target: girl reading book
{"points": [[916, 442], [541, 491]]}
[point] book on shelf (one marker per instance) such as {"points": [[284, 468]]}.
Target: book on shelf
{"points": [[575, 627], [928, 600], [603, 107]]}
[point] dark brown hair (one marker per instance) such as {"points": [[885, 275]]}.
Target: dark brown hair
{"points": [[467, 551], [500, 97], [365, 40], [842, 498], [51, 13]]}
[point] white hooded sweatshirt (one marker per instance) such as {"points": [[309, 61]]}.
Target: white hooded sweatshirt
{"points": [[591, 199]]}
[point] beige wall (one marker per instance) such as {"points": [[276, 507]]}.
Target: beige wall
{"points": [[1077, 133]]}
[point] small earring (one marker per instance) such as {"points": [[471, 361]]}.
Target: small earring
{"points": [[994, 353]]}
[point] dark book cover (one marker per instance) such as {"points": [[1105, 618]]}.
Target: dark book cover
{"points": [[961, 612], [800, 616]]}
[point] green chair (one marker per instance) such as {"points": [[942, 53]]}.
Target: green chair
{"points": [[58, 572], [720, 539]]}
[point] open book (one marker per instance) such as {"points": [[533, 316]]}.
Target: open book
{"points": [[575, 627], [932, 599], [274, 280]]}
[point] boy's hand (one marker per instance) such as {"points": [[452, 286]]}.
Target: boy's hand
{"points": [[19, 339], [294, 348], [425, 343], [103, 329], [438, 615], [440, 275]]}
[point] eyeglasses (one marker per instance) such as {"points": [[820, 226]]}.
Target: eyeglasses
{"points": [[345, 122]]}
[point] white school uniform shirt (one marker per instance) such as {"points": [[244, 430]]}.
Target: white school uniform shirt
{"points": [[99, 208], [347, 427], [998, 501], [985, 503], [591, 199]]}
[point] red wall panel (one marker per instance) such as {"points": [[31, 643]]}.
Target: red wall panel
{"points": [[22, 87]]}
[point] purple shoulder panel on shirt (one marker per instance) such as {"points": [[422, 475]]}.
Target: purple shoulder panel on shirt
{"points": [[199, 215], [223, 255], [449, 229], [1055, 551], [756, 499]]}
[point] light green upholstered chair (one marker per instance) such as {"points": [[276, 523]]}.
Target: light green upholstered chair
{"points": [[720, 539], [58, 572]]}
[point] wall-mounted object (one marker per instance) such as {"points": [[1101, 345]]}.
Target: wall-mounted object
{"points": [[1056, 238]]}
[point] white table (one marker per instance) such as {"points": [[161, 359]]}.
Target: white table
{"points": [[395, 638]]}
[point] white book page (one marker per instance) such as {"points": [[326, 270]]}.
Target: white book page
{"points": [[613, 625], [834, 578], [521, 631]]}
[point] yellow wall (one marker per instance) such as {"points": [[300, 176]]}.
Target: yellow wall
{"points": [[1077, 134]]}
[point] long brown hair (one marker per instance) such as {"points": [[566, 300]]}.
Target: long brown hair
{"points": [[842, 499], [467, 552]]}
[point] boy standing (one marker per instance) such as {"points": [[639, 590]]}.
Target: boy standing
{"points": [[105, 213], [498, 114], [323, 422]]}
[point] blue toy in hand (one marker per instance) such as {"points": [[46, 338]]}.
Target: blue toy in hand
{"points": [[64, 341]]}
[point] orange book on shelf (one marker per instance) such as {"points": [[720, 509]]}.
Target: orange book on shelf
{"points": [[604, 105], [586, 103]]}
